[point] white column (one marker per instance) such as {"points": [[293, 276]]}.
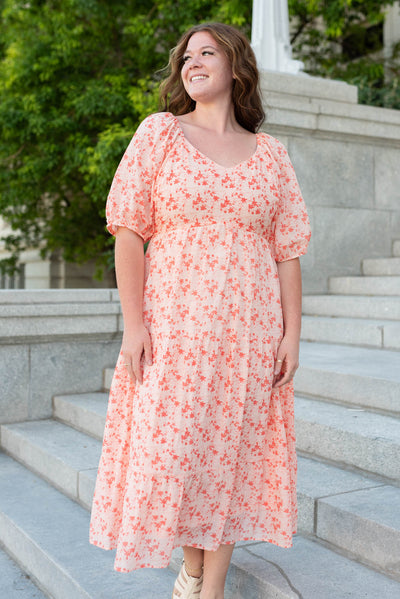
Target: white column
{"points": [[391, 29], [270, 37]]}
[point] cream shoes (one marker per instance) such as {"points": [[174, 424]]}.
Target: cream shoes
{"points": [[187, 587]]}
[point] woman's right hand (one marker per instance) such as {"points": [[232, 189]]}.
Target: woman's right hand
{"points": [[136, 342]]}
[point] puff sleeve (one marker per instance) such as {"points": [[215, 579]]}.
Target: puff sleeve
{"points": [[291, 227], [129, 202]]}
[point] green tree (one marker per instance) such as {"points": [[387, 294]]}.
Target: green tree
{"points": [[76, 78], [342, 39]]}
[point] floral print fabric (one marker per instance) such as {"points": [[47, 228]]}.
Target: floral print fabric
{"points": [[203, 452]]}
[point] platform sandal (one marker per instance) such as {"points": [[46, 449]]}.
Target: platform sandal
{"points": [[187, 587]]}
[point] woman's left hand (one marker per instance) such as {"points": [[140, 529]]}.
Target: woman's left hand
{"points": [[286, 362]]}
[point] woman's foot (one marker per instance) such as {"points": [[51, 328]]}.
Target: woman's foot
{"points": [[188, 584]]}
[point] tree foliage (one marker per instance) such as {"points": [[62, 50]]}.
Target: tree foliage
{"points": [[77, 76], [342, 39]]}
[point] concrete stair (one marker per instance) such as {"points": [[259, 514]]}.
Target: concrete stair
{"points": [[348, 439], [60, 457]]}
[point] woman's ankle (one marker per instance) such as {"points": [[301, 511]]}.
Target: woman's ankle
{"points": [[195, 572]]}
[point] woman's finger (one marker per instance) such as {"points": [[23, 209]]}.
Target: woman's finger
{"points": [[129, 368], [287, 375], [147, 351], [278, 365], [137, 371]]}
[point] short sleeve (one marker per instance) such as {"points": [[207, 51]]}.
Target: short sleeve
{"points": [[291, 226], [130, 202]]}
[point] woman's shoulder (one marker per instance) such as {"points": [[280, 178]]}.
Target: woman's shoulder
{"points": [[157, 124], [272, 142]]}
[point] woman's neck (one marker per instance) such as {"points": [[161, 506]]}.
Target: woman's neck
{"points": [[220, 119]]}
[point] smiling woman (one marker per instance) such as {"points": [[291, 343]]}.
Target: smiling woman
{"points": [[235, 47], [199, 447]]}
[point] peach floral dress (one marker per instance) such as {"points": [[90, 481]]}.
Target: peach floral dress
{"points": [[203, 452]]}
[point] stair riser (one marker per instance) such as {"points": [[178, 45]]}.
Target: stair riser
{"points": [[360, 537], [47, 465], [38, 563], [374, 456], [396, 248], [349, 389], [77, 484], [381, 266], [365, 285], [373, 308], [356, 332], [89, 422]]}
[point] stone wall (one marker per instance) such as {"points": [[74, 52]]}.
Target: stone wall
{"points": [[54, 342], [347, 159]]}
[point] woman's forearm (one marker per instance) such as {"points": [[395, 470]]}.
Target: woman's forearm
{"points": [[287, 358], [289, 273], [129, 267]]}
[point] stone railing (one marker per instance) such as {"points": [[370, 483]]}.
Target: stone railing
{"points": [[52, 342]]}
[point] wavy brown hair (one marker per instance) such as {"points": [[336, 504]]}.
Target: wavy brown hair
{"points": [[246, 96]]}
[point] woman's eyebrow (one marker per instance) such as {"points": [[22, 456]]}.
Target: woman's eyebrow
{"points": [[202, 48]]}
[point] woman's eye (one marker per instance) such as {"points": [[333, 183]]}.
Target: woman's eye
{"points": [[185, 58]]}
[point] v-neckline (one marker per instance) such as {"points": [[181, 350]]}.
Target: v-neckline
{"points": [[190, 146]]}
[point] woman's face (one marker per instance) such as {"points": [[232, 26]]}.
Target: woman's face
{"points": [[206, 72]]}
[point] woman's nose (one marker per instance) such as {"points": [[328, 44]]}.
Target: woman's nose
{"points": [[195, 61]]}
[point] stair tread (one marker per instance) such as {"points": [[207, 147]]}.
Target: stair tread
{"points": [[360, 361], [15, 584], [57, 529], [355, 421], [63, 442], [93, 402], [74, 568], [85, 411], [366, 522], [318, 480], [311, 571], [359, 439]]}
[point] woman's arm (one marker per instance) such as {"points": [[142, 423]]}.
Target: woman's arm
{"points": [[129, 266], [287, 359]]}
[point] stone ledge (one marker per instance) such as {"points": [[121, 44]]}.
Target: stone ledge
{"points": [[328, 107], [307, 86], [41, 322], [51, 296]]}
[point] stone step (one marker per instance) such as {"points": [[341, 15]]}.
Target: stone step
{"points": [[352, 306], [366, 523], [58, 454], [358, 376], [50, 534], [343, 508], [64, 456], [350, 437], [351, 331], [365, 285], [316, 480], [85, 412], [381, 266], [396, 247], [15, 583]]}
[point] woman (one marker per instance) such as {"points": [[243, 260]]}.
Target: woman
{"points": [[199, 447]]}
